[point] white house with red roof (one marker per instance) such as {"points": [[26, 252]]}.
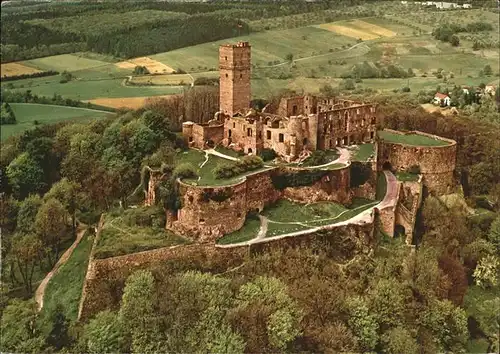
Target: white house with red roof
{"points": [[441, 99]]}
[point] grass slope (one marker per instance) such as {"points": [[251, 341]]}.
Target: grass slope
{"points": [[411, 139], [65, 287], [249, 231], [27, 113]]}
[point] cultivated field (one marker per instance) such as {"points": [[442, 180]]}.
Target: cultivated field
{"points": [[28, 113], [12, 69], [153, 66], [358, 29], [168, 79], [124, 102]]}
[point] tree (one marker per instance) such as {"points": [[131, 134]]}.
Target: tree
{"points": [[289, 57], [25, 175], [70, 196], [399, 340], [19, 332], [387, 302], [50, 224], [26, 215], [447, 323], [486, 272], [25, 252], [59, 337], [363, 324], [265, 302], [104, 334], [487, 70], [138, 314], [494, 234], [454, 40]]}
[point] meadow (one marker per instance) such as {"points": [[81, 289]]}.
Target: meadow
{"points": [[320, 54], [27, 113]]}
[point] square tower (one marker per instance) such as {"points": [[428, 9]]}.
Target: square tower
{"points": [[234, 70]]}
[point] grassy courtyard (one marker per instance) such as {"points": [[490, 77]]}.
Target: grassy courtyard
{"points": [[362, 152], [410, 139], [119, 237]]}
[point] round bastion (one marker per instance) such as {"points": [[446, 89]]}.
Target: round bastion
{"points": [[435, 156]]}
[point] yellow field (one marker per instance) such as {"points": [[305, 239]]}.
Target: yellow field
{"points": [[359, 29], [152, 65], [11, 69], [168, 79], [381, 31], [123, 102]]}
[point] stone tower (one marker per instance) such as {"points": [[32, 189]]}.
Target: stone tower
{"points": [[234, 69]]}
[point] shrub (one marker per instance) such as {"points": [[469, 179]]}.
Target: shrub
{"points": [[206, 81], [415, 169], [231, 169], [185, 170], [318, 157], [144, 216], [140, 70], [267, 154]]}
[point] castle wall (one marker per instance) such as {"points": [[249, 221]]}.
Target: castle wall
{"points": [[260, 191], [409, 202], [244, 134], [105, 279], [437, 163], [334, 186], [207, 213], [196, 135]]}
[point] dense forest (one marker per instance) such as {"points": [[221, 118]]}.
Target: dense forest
{"points": [[438, 297]]}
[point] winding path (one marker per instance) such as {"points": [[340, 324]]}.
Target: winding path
{"points": [[362, 218], [40, 291]]}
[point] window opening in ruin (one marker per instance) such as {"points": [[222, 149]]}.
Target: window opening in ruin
{"points": [[250, 150], [339, 142], [306, 108], [241, 76], [372, 135], [229, 132], [399, 230], [304, 141], [190, 139], [345, 141], [202, 220], [268, 134], [234, 125], [314, 110], [345, 123], [249, 132], [226, 75], [225, 58], [281, 138], [190, 198], [294, 110], [374, 120]]}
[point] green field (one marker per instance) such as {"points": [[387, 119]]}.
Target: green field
{"points": [[410, 139], [27, 113], [320, 57]]}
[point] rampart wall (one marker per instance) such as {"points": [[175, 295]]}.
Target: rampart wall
{"points": [[209, 212], [437, 163], [105, 278]]}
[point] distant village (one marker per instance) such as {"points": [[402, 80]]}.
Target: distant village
{"points": [[439, 4]]}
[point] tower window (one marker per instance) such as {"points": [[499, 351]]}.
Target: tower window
{"points": [[281, 138], [234, 125], [268, 135], [241, 76], [225, 58], [249, 132], [226, 75]]}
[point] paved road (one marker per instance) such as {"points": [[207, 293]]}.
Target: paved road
{"points": [[40, 291]]}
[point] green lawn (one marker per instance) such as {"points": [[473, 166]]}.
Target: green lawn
{"points": [[411, 139], [229, 152], [362, 152], [118, 239], [381, 186], [27, 113], [286, 211], [249, 231], [66, 285], [406, 177]]}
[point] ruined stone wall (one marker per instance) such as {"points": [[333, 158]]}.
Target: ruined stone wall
{"points": [[291, 106], [333, 186], [437, 163], [260, 191], [208, 213], [105, 278], [346, 126], [246, 136], [196, 135], [410, 200]]}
